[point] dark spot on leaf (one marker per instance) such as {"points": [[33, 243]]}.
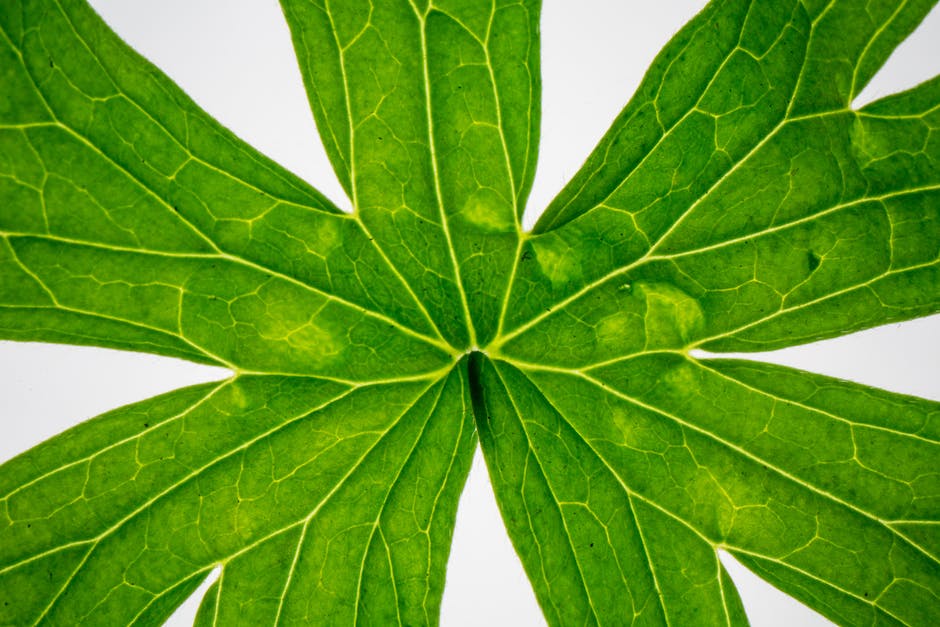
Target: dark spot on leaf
{"points": [[526, 255], [146, 425], [592, 545], [812, 261]]}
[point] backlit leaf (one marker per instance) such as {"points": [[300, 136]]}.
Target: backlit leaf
{"points": [[738, 203]]}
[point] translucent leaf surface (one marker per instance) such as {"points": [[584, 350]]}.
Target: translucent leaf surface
{"points": [[737, 204]]}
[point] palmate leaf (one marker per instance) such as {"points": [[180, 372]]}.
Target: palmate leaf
{"points": [[736, 204]]}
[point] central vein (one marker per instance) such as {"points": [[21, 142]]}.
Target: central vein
{"points": [[437, 181]]}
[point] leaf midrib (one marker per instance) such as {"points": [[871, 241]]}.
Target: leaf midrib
{"points": [[432, 149], [377, 525], [534, 452]]}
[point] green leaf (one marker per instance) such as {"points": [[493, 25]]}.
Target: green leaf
{"points": [[430, 118], [214, 473], [738, 203]]}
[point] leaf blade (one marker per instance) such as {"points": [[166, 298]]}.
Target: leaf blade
{"points": [[142, 547], [800, 488], [815, 207], [421, 86], [77, 175], [597, 507]]}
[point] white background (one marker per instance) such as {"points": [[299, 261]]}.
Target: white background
{"points": [[235, 59]]}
